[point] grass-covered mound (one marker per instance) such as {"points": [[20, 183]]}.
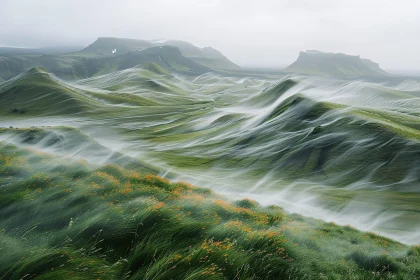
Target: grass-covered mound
{"points": [[63, 219], [37, 92]]}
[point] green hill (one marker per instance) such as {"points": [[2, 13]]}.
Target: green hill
{"points": [[11, 66], [154, 67], [69, 67], [66, 219], [37, 92], [334, 64]]}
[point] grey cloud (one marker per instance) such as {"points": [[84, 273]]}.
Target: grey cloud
{"points": [[263, 33]]}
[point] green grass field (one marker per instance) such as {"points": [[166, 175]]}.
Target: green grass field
{"points": [[66, 219], [146, 165]]}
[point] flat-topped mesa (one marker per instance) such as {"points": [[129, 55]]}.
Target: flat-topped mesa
{"points": [[334, 64]]}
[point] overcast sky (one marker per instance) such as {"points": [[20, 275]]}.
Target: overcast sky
{"points": [[266, 33]]}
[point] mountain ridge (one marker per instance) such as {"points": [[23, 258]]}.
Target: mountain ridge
{"points": [[203, 56], [107, 54]]}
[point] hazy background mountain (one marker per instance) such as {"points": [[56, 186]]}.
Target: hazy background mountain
{"points": [[44, 50], [253, 34], [334, 64], [107, 54], [206, 56]]}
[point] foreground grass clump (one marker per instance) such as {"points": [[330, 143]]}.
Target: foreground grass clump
{"points": [[62, 219]]}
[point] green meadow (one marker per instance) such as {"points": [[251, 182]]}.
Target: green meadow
{"points": [[67, 219], [168, 161]]}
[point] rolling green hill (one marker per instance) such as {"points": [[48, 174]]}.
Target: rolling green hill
{"points": [[155, 68], [335, 149], [11, 66], [37, 92], [334, 64], [66, 219]]}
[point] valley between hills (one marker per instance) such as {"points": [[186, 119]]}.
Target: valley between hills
{"points": [[132, 159]]}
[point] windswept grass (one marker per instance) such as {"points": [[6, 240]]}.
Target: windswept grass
{"points": [[66, 220]]}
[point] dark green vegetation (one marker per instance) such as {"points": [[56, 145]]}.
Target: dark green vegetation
{"points": [[64, 219], [340, 150], [52, 97], [307, 136], [334, 64], [39, 93], [252, 132]]}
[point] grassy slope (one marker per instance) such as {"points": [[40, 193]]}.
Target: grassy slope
{"points": [[36, 92], [39, 93], [318, 152], [11, 66], [63, 219]]}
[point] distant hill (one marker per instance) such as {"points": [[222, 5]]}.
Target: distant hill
{"points": [[37, 92], [169, 58], [106, 55], [334, 64], [105, 46], [85, 64], [207, 56]]}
